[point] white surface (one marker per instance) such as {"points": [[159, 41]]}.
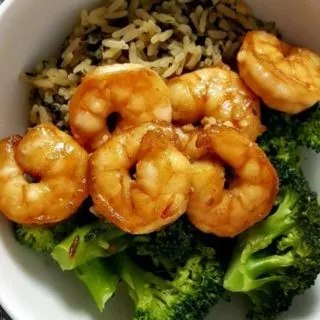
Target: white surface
{"points": [[31, 287]]}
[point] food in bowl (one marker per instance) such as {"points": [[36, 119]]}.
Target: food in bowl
{"points": [[165, 132]]}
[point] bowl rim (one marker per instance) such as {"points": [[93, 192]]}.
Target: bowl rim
{"points": [[5, 6]]}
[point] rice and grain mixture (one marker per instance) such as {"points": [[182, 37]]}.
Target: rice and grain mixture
{"points": [[171, 37]]}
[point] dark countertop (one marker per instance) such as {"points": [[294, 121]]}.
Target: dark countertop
{"points": [[3, 315]]}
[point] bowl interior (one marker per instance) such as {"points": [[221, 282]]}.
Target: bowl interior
{"points": [[31, 286]]}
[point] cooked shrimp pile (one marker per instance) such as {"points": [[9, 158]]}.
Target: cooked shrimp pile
{"points": [[148, 172]]}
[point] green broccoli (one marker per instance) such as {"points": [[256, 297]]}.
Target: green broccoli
{"points": [[188, 295], [279, 258], [96, 275], [298, 130], [171, 246], [308, 128], [95, 240], [42, 239], [279, 143], [99, 279]]}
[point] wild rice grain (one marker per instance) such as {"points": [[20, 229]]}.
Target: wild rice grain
{"points": [[164, 18], [84, 18], [133, 34], [116, 5], [194, 20], [224, 25], [203, 21], [96, 16], [116, 15], [153, 49], [245, 22], [121, 32], [144, 15], [185, 29], [109, 43], [67, 55], [111, 53], [162, 37], [243, 9], [134, 4], [227, 12], [217, 34]]}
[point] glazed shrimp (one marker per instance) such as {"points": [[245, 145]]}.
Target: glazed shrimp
{"points": [[158, 193], [53, 158], [188, 136], [134, 92], [287, 78], [217, 93], [250, 195]]}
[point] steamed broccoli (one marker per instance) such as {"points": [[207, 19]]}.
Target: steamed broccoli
{"points": [[171, 246], [188, 295], [96, 275], [98, 239], [298, 130], [279, 258], [308, 128], [279, 143], [99, 279], [42, 239]]}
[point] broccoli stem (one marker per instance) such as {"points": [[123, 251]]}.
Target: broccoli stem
{"points": [[244, 269], [96, 275], [91, 241], [136, 279], [264, 233], [99, 279], [256, 267]]}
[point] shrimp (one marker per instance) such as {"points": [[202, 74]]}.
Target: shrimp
{"points": [[287, 78], [228, 210], [135, 93], [188, 136], [217, 93], [57, 162], [158, 192]]}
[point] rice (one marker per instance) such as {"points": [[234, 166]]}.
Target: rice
{"points": [[171, 37]]}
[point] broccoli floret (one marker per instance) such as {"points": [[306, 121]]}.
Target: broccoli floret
{"points": [[188, 295], [291, 131], [35, 238], [279, 143], [279, 258], [95, 240], [269, 301], [171, 246], [308, 128], [43, 239], [96, 275]]}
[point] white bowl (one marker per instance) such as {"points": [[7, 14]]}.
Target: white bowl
{"points": [[31, 286]]}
